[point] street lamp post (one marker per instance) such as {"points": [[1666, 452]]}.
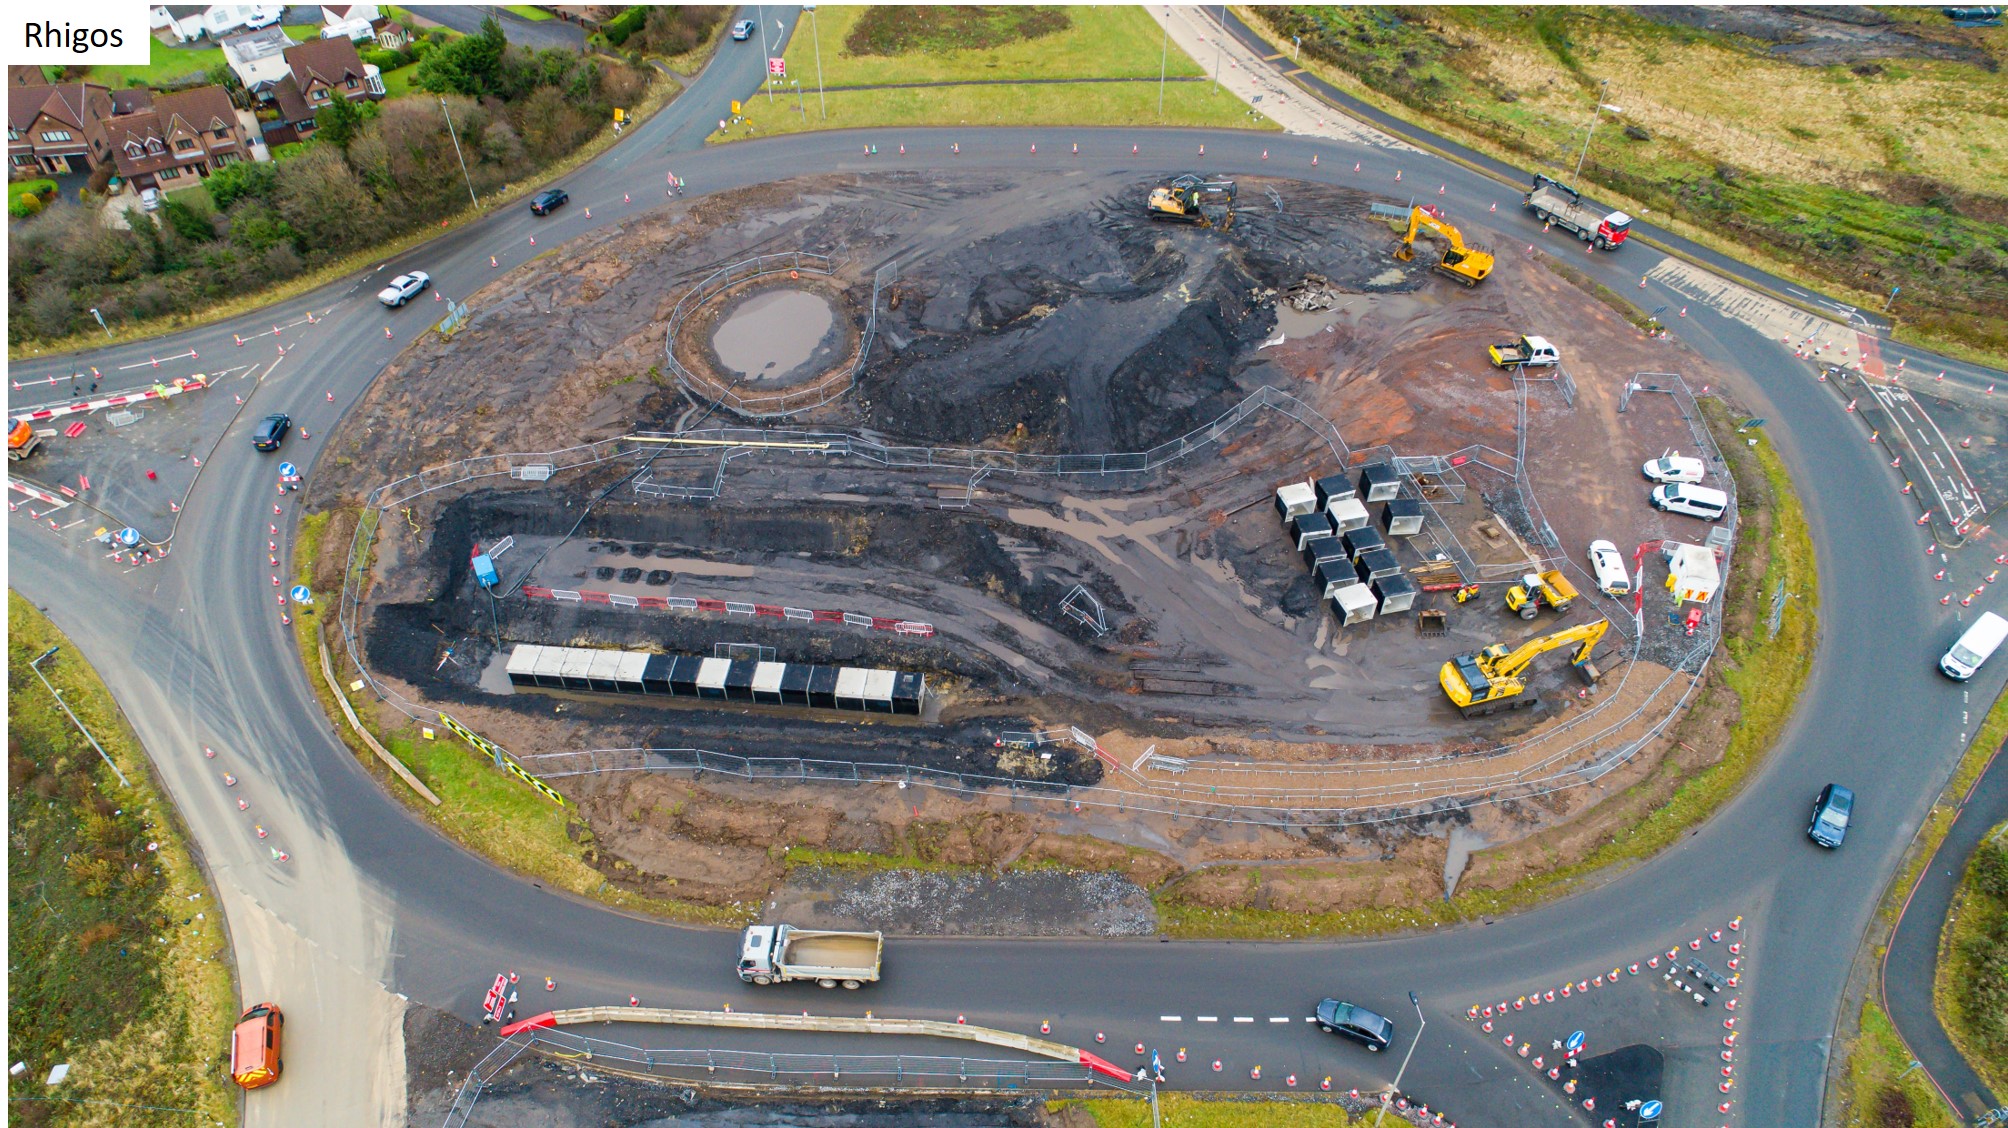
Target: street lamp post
{"points": [[1163, 54], [1420, 1022], [1594, 112], [1296, 48], [1217, 47], [456, 151], [108, 329], [766, 53], [816, 34]]}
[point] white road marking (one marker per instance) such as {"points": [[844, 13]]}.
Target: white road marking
{"points": [[1280, 1018], [1169, 1018], [1241, 1018], [1209, 1018]]}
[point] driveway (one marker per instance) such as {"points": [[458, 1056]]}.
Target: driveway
{"points": [[534, 34]]}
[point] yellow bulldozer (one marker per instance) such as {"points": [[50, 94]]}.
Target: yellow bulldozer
{"points": [[1489, 681], [1192, 198], [1466, 262]]}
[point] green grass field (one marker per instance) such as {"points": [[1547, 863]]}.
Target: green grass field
{"points": [[397, 81], [1081, 104], [1113, 42], [165, 63], [1881, 1086], [534, 15], [118, 963], [1178, 1110]]}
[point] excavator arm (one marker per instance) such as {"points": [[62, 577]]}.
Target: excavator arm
{"points": [[1587, 634], [1468, 264]]}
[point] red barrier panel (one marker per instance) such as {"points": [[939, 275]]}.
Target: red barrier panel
{"points": [[829, 617], [769, 610], [654, 602], [595, 597], [536, 592], [545, 1021], [880, 624], [717, 605], [1091, 1061]]}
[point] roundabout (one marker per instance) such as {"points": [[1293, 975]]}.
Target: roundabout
{"points": [[373, 904]]}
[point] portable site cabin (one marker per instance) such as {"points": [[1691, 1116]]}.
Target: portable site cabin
{"points": [[1348, 513], [1375, 563], [522, 667], [655, 674], [823, 687], [1295, 500], [1333, 574], [1363, 539], [1402, 517], [878, 691], [1396, 593], [1353, 604], [907, 692], [1331, 488], [573, 668], [1318, 551], [711, 678], [767, 682], [1692, 573], [795, 683], [683, 675], [739, 681], [851, 688], [1379, 482], [1310, 527]]}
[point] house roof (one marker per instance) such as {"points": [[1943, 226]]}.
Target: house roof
{"points": [[68, 103], [131, 100], [337, 11], [26, 76], [291, 102], [199, 110], [254, 45], [203, 108], [330, 61], [183, 11]]}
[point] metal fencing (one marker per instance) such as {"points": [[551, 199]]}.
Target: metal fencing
{"points": [[783, 403]]}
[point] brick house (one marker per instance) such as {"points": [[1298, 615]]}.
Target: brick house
{"points": [[57, 130], [179, 139], [318, 72]]}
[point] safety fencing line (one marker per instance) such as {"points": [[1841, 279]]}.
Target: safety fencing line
{"points": [[729, 607], [196, 383], [484, 1071], [348, 711]]}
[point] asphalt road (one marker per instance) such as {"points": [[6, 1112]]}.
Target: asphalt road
{"points": [[538, 35], [372, 901]]}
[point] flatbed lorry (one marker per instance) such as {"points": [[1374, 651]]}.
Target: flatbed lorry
{"points": [[1561, 206], [781, 953]]}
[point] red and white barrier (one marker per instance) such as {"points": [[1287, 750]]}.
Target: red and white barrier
{"points": [[731, 607], [194, 383]]}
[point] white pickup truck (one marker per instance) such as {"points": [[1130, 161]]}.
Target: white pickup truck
{"points": [[779, 953]]}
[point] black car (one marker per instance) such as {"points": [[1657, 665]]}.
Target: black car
{"points": [[1358, 1023], [1830, 815], [271, 431], [543, 202]]}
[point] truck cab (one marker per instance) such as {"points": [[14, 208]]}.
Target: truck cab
{"points": [[756, 952]]}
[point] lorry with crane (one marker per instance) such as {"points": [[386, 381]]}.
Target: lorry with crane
{"points": [[1466, 262], [1561, 206], [1489, 681]]}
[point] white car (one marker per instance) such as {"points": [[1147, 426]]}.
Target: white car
{"points": [[404, 287], [1675, 468], [1608, 566], [149, 199]]}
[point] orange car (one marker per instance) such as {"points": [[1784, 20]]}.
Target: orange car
{"points": [[254, 1046]]}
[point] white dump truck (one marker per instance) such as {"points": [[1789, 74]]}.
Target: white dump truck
{"points": [[1564, 207], [779, 953]]}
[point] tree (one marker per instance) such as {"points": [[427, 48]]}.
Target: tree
{"points": [[324, 201], [242, 179], [186, 221], [337, 123], [470, 65]]}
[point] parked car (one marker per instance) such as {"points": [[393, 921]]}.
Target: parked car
{"points": [[743, 30], [1675, 468], [271, 431], [1355, 1022], [1695, 501], [1830, 815], [404, 287], [149, 199], [1608, 566], [1975, 646], [255, 1046], [543, 202]]}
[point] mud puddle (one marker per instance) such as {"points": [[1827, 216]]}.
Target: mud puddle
{"points": [[772, 334]]}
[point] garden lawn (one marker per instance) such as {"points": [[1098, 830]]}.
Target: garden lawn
{"points": [[1113, 42], [1056, 104]]}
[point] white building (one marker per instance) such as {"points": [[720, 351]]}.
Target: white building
{"points": [[188, 22], [1692, 574], [332, 14], [258, 58]]}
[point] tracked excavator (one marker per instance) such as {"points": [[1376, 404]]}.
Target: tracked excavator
{"points": [[1489, 681], [1466, 262], [1192, 198]]}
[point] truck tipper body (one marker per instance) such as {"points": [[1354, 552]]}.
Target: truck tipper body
{"points": [[1562, 206], [780, 953]]}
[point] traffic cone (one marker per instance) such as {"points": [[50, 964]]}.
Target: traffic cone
{"points": [[1255, 1074], [331, 395], [1181, 1053], [1216, 1065], [435, 293], [1944, 600], [386, 333], [1035, 149], [1439, 189], [1045, 1027], [1966, 443], [491, 260], [276, 509], [1494, 207], [1100, 1037], [1940, 379], [240, 341], [634, 1001], [1077, 148], [1291, 1080], [902, 150], [1325, 1085], [1683, 311], [261, 830], [1314, 161], [1265, 154], [961, 1020], [1641, 282], [589, 215], [1202, 150], [533, 240], [243, 806], [1139, 1049], [550, 984]]}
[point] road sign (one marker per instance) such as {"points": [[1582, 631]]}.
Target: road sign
{"points": [[1574, 1043], [777, 67], [129, 537], [1650, 1110], [496, 1003], [288, 470], [300, 594]]}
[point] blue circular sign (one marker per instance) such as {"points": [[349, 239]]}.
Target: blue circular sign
{"points": [[300, 594], [288, 470], [128, 537], [1650, 1110], [1574, 1043]]}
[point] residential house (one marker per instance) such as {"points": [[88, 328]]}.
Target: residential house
{"points": [[57, 130], [332, 14], [258, 59], [179, 139], [588, 16], [391, 35], [188, 22], [26, 76], [319, 71]]}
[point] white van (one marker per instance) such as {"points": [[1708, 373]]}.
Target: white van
{"points": [[1980, 641], [1695, 501]]}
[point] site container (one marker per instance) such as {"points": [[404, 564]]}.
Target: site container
{"points": [[1402, 517]]}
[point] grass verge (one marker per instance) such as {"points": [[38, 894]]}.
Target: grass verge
{"points": [[485, 810], [534, 15], [1179, 1110], [660, 91], [1972, 985], [1881, 1086], [118, 964], [1758, 677], [1058, 104], [1098, 42], [166, 64]]}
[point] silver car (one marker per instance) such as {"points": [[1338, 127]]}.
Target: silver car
{"points": [[404, 287]]}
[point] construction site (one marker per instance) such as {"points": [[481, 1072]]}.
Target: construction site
{"points": [[1183, 499]]}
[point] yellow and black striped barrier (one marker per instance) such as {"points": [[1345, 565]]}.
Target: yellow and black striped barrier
{"points": [[494, 752]]}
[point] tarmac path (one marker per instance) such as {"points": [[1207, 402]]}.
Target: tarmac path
{"points": [[372, 903]]}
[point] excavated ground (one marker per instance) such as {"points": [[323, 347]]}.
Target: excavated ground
{"points": [[1049, 319]]}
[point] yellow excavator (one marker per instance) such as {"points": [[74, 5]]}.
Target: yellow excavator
{"points": [[1489, 681], [1466, 262], [1192, 198]]}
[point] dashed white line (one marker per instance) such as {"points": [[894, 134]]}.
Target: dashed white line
{"points": [[1209, 1018], [1279, 1018], [1169, 1018], [1241, 1018]]}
